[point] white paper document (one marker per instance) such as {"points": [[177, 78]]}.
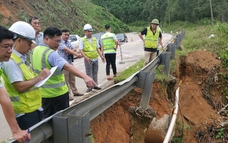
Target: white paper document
{"points": [[44, 80]]}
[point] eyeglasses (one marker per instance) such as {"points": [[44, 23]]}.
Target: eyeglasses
{"points": [[7, 47], [56, 41], [28, 41]]}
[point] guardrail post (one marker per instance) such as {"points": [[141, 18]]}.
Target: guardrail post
{"points": [[165, 60], [178, 40], [171, 48], [145, 82], [60, 128], [78, 127]]}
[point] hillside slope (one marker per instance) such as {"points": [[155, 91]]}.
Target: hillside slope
{"points": [[71, 14]]}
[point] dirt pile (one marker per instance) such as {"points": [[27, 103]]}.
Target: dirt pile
{"points": [[200, 99], [201, 95]]}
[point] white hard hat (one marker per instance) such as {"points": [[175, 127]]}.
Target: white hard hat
{"points": [[88, 27], [24, 30]]}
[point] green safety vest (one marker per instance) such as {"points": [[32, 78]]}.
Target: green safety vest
{"points": [[151, 40], [27, 101], [55, 85], [0, 75], [108, 42], [90, 50]]}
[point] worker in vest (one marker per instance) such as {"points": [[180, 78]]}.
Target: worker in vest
{"points": [[109, 44], [55, 96], [19, 79], [89, 48], [153, 37], [6, 44]]}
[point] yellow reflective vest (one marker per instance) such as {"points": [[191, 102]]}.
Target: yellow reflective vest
{"points": [[151, 40], [90, 50], [108, 42], [55, 85], [27, 101]]}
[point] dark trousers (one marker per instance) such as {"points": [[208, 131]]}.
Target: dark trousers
{"points": [[55, 104], [110, 59], [29, 119]]}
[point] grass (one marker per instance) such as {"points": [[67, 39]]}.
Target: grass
{"points": [[128, 72], [159, 72]]}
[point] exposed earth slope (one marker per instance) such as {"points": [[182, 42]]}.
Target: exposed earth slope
{"points": [[198, 105]]}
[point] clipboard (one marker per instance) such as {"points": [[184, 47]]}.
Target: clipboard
{"points": [[39, 84]]}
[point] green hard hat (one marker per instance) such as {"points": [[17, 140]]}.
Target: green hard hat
{"points": [[155, 21]]}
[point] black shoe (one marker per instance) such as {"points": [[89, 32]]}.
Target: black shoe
{"points": [[78, 94], [88, 90], [97, 88]]}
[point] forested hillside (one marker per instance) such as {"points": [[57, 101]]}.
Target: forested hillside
{"points": [[71, 14], [166, 11]]}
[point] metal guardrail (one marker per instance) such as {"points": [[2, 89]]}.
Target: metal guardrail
{"points": [[72, 124]]}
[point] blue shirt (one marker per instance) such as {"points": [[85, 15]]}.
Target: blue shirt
{"points": [[55, 60], [63, 53], [39, 39]]}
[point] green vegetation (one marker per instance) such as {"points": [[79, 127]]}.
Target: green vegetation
{"points": [[129, 71], [220, 133], [73, 14], [176, 140], [91, 137], [167, 11]]}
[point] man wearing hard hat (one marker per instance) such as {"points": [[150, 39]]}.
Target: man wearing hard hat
{"points": [[153, 37], [6, 43], [90, 50], [19, 79]]}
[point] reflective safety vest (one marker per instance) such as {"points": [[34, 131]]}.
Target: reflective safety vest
{"points": [[108, 42], [151, 40], [55, 85], [27, 101], [0, 75], [90, 50]]}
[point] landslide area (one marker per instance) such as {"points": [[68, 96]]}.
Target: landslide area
{"points": [[200, 100]]}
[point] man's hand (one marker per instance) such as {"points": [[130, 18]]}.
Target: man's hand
{"points": [[103, 59], [21, 135], [89, 82], [163, 48], [87, 60], [78, 55], [44, 73]]}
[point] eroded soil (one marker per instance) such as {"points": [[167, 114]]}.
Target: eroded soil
{"points": [[200, 100]]}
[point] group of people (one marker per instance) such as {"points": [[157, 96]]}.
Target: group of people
{"points": [[27, 55]]}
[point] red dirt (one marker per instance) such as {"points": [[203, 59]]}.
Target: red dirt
{"points": [[115, 124]]}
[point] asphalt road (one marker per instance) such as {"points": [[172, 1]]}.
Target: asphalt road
{"points": [[132, 52]]}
